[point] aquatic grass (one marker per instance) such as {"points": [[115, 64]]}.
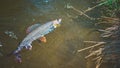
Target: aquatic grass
{"points": [[113, 4]]}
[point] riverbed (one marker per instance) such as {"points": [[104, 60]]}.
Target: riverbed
{"points": [[60, 51]]}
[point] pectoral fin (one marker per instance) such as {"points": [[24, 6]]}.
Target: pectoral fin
{"points": [[43, 39]]}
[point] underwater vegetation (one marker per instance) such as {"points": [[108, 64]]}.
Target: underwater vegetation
{"points": [[113, 4], [105, 54]]}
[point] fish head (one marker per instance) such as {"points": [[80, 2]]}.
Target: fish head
{"points": [[57, 22]]}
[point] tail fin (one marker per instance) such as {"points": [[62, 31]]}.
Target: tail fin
{"points": [[17, 56]]}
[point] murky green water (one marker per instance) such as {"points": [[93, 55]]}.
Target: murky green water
{"points": [[60, 51]]}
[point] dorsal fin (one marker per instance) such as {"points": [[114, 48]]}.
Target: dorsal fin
{"points": [[32, 27]]}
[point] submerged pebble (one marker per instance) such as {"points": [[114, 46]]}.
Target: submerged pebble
{"points": [[11, 34], [1, 44], [0, 51]]}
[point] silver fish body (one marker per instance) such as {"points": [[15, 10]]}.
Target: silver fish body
{"points": [[36, 34]]}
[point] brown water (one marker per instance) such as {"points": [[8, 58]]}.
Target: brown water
{"points": [[60, 51]]}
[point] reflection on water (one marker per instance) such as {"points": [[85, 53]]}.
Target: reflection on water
{"points": [[40, 7], [60, 50]]}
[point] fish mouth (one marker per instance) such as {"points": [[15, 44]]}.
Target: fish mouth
{"points": [[56, 23], [59, 20]]}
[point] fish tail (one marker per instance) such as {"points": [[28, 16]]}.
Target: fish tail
{"points": [[17, 56]]}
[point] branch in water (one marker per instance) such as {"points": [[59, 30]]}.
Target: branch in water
{"points": [[98, 44]]}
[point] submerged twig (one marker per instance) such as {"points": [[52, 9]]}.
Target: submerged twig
{"points": [[98, 5], [82, 13], [98, 44], [107, 20], [90, 42], [97, 52], [68, 6]]}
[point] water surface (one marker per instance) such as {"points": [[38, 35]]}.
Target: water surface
{"points": [[60, 51]]}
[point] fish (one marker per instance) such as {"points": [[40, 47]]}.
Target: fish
{"points": [[36, 31]]}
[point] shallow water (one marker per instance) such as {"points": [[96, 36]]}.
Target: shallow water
{"points": [[60, 51]]}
